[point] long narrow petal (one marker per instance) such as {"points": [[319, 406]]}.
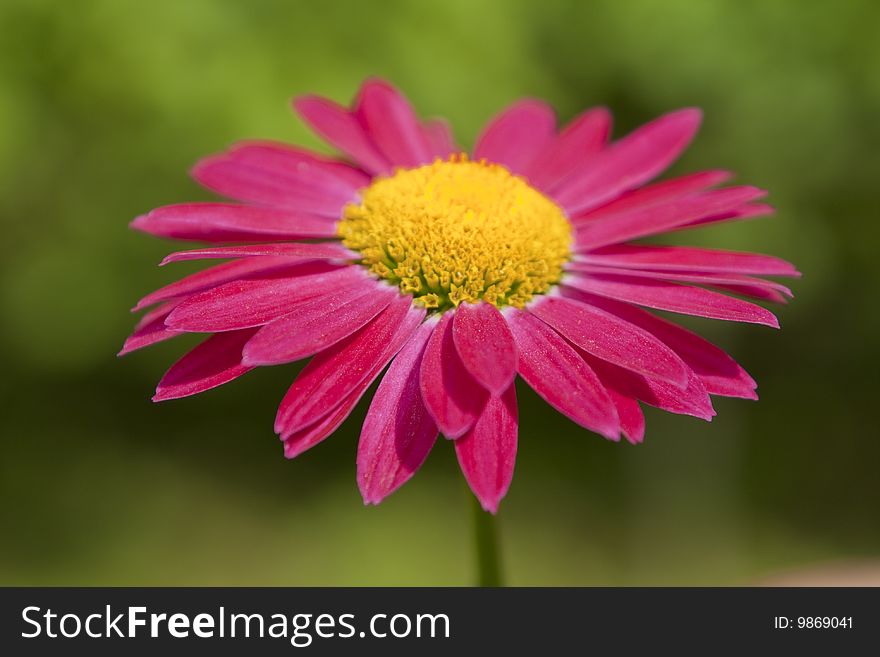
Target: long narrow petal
{"points": [[214, 362], [675, 298], [334, 373], [747, 211], [632, 420], [692, 400], [611, 338], [342, 129], [674, 258], [656, 194], [295, 251], [487, 453], [304, 439], [581, 139], [758, 292], [317, 324], [392, 124], [214, 276], [517, 135], [274, 175], [299, 441], [451, 394], [228, 222], [233, 180], [684, 276], [311, 169], [150, 329], [635, 159], [558, 374], [398, 431], [720, 373], [485, 345], [641, 222], [257, 301]]}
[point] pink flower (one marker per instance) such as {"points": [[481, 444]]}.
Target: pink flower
{"points": [[457, 274]]}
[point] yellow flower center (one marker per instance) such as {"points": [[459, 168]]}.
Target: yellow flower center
{"points": [[456, 231]]}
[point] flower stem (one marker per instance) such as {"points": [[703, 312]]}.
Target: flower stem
{"points": [[486, 544]]}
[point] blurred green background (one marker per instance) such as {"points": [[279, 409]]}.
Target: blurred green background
{"points": [[104, 105]]}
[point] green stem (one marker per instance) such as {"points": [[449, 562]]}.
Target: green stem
{"points": [[486, 544]]}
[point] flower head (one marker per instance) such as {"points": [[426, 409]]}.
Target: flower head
{"points": [[457, 273]]}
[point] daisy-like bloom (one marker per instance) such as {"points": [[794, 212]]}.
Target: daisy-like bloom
{"points": [[456, 273]]}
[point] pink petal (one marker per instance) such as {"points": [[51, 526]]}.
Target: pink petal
{"points": [[674, 298], [391, 124], [294, 251], [485, 345], [439, 137], [556, 372], [674, 258], [317, 324], [214, 362], [719, 372], [692, 400], [255, 301], [611, 338], [581, 139], [651, 195], [314, 170], [150, 329], [759, 292], [517, 135], [227, 222], [747, 211], [487, 453], [333, 374], [280, 176], [450, 393], [214, 276], [398, 431], [343, 130], [304, 439], [698, 277], [635, 159], [640, 222], [632, 420], [232, 180]]}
